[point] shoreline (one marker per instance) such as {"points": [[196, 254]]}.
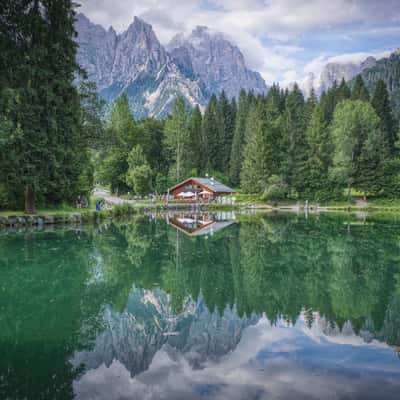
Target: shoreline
{"points": [[15, 219]]}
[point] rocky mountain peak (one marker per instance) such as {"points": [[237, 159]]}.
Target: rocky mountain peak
{"points": [[218, 63], [136, 63]]}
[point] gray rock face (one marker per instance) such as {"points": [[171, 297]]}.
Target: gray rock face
{"points": [[219, 64], [335, 71], [148, 324], [136, 63]]}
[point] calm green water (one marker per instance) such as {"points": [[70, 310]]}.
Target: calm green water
{"points": [[269, 307]]}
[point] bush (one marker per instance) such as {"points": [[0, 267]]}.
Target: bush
{"points": [[123, 209], [276, 189]]}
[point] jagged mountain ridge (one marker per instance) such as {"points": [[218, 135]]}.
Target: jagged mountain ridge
{"points": [[334, 71], [149, 323], [387, 69], [218, 63], [136, 63]]}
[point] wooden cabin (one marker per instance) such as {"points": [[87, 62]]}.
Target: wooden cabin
{"points": [[199, 189]]}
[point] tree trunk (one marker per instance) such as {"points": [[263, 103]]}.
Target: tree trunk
{"points": [[29, 200]]}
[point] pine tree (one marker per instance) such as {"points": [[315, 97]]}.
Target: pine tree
{"points": [[235, 162], [275, 151], [196, 144], [359, 91], [381, 103], [359, 147], [319, 158], [254, 172], [328, 103], [310, 105], [225, 129], [295, 140], [37, 69], [343, 92], [211, 134], [176, 137]]}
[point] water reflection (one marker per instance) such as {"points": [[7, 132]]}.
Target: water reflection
{"points": [[200, 224], [270, 307]]}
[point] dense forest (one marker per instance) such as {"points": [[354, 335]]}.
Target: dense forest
{"points": [[57, 137], [279, 145], [47, 120]]}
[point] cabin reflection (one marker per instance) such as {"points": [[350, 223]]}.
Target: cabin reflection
{"points": [[199, 224]]}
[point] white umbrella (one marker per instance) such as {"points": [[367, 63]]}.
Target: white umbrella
{"points": [[205, 192], [185, 194]]}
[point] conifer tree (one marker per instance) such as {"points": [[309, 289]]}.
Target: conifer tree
{"points": [[176, 141], [37, 69], [224, 133], [235, 162], [295, 140], [343, 92], [319, 158], [196, 144], [211, 134], [254, 172], [359, 90], [359, 147], [328, 103], [381, 103]]}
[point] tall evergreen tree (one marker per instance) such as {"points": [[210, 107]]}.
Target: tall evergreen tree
{"points": [[44, 152], [328, 103], [319, 158], [224, 133], [359, 147], [176, 141], [196, 144], [359, 90], [343, 92], [295, 140], [254, 167], [211, 134], [235, 162], [381, 103]]}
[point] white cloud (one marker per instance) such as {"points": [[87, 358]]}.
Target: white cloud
{"points": [[246, 373]]}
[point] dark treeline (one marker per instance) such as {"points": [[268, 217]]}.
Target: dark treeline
{"points": [[46, 119], [279, 145]]}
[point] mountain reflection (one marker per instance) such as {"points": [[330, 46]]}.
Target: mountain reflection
{"points": [[269, 306]]}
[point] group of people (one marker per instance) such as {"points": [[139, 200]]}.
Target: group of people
{"points": [[81, 202], [101, 205]]}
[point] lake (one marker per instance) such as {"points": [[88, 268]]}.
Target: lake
{"points": [[210, 306]]}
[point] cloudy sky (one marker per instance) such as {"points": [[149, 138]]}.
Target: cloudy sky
{"points": [[282, 39]]}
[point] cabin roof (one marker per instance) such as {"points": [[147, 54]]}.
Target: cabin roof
{"points": [[211, 184]]}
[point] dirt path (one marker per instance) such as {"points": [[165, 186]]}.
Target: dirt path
{"points": [[111, 198]]}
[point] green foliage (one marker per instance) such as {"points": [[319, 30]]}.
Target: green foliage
{"points": [[359, 144], [211, 134], [254, 168], [176, 139], [359, 90], [275, 189], [381, 103], [235, 163], [43, 137], [139, 174]]}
